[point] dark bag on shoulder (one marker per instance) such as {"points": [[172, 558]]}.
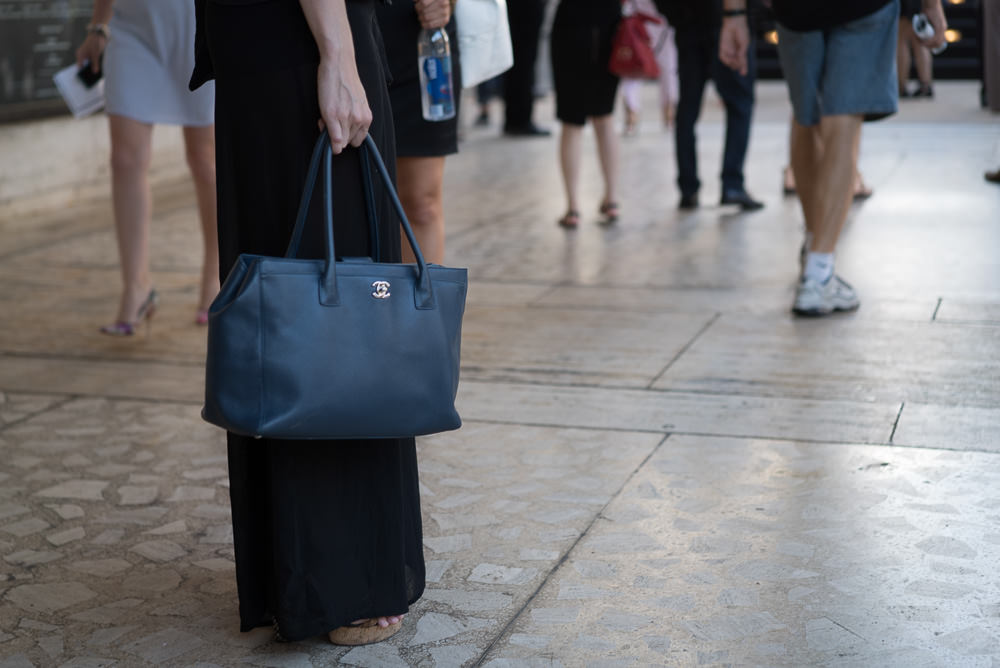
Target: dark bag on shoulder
{"points": [[327, 349]]}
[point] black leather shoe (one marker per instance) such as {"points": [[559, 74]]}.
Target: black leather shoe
{"points": [[688, 202], [529, 130], [741, 197]]}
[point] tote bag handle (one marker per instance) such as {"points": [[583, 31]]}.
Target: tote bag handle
{"points": [[424, 294]]}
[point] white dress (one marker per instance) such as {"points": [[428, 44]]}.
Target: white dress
{"points": [[148, 62]]}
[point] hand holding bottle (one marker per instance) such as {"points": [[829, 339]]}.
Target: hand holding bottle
{"points": [[433, 13]]}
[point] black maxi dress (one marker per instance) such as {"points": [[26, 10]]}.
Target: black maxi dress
{"points": [[325, 532]]}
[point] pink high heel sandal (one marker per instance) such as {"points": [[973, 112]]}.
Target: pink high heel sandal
{"points": [[145, 313]]}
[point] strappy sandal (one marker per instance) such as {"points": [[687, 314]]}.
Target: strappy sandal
{"points": [[610, 212], [364, 632], [571, 220]]}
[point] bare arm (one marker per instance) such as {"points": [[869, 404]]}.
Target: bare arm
{"points": [[343, 105], [93, 46]]}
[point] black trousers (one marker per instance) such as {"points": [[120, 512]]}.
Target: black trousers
{"points": [[697, 62], [526, 18]]}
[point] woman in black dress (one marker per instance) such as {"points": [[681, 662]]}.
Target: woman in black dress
{"points": [[420, 145], [327, 533], [582, 34]]}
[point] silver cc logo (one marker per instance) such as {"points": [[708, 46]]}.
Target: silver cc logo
{"points": [[381, 289]]}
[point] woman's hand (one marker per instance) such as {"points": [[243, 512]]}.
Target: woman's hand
{"points": [[433, 13], [343, 105], [91, 50]]}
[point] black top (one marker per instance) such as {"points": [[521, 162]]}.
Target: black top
{"points": [[691, 13], [683, 14], [803, 15]]}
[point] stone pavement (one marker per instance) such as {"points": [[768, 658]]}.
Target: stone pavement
{"points": [[659, 465]]}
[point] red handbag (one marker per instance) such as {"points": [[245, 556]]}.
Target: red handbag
{"points": [[632, 55]]}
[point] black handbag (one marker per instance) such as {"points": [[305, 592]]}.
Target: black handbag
{"points": [[307, 349]]}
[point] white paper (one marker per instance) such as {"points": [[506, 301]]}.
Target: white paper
{"points": [[82, 101]]}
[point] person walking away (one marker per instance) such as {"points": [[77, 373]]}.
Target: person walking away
{"points": [[697, 25], [582, 35], [838, 60], [146, 52], [661, 37]]}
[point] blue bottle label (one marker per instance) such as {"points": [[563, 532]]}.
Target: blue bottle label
{"points": [[437, 75]]}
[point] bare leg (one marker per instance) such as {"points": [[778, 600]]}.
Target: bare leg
{"points": [[788, 175], [903, 61], [922, 60], [630, 89], [131, 147], [825, 166], [199, 143], [420, 182], [861, 189], [570, 140], [607, 154]]}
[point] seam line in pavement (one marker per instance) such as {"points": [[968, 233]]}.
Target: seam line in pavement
{"points": [[562, 560], [895, 424], [55, 406], [937, 308], [165, 361], [687, 346]]}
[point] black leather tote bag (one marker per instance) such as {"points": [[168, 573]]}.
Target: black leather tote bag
{"points": [[307, 349]]}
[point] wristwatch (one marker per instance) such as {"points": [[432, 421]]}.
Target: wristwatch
{"points": [[101, 29]]}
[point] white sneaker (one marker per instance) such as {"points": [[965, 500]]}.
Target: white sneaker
{"points": [[815, 298]]}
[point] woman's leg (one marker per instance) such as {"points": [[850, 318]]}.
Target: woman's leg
{"points": [[569, 159], [131, 147], [921, 60], [607, 153], [630, 100], [667, 59], [630, 94], [199, 144], [420, 182], [903, 54]]}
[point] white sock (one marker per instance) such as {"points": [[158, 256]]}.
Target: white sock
{"points": [[819, 267]]}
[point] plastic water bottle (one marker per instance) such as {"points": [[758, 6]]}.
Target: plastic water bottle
{"points": [[437, 95]]}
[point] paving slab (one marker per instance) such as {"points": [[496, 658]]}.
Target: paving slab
{"points": [[778, 554], [659, 465]]}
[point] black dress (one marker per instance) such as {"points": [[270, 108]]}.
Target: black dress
{"points": [[415, 137], [325, 532], [580, 44]]}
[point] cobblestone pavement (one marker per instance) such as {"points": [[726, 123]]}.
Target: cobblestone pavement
{"points": [[659, 466]]}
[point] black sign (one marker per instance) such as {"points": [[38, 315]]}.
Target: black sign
{"points": [[37, 39]]}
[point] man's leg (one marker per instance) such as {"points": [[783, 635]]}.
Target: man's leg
{"points": [[525, 18], [824, 161], [737, 93], [692, 75]]}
